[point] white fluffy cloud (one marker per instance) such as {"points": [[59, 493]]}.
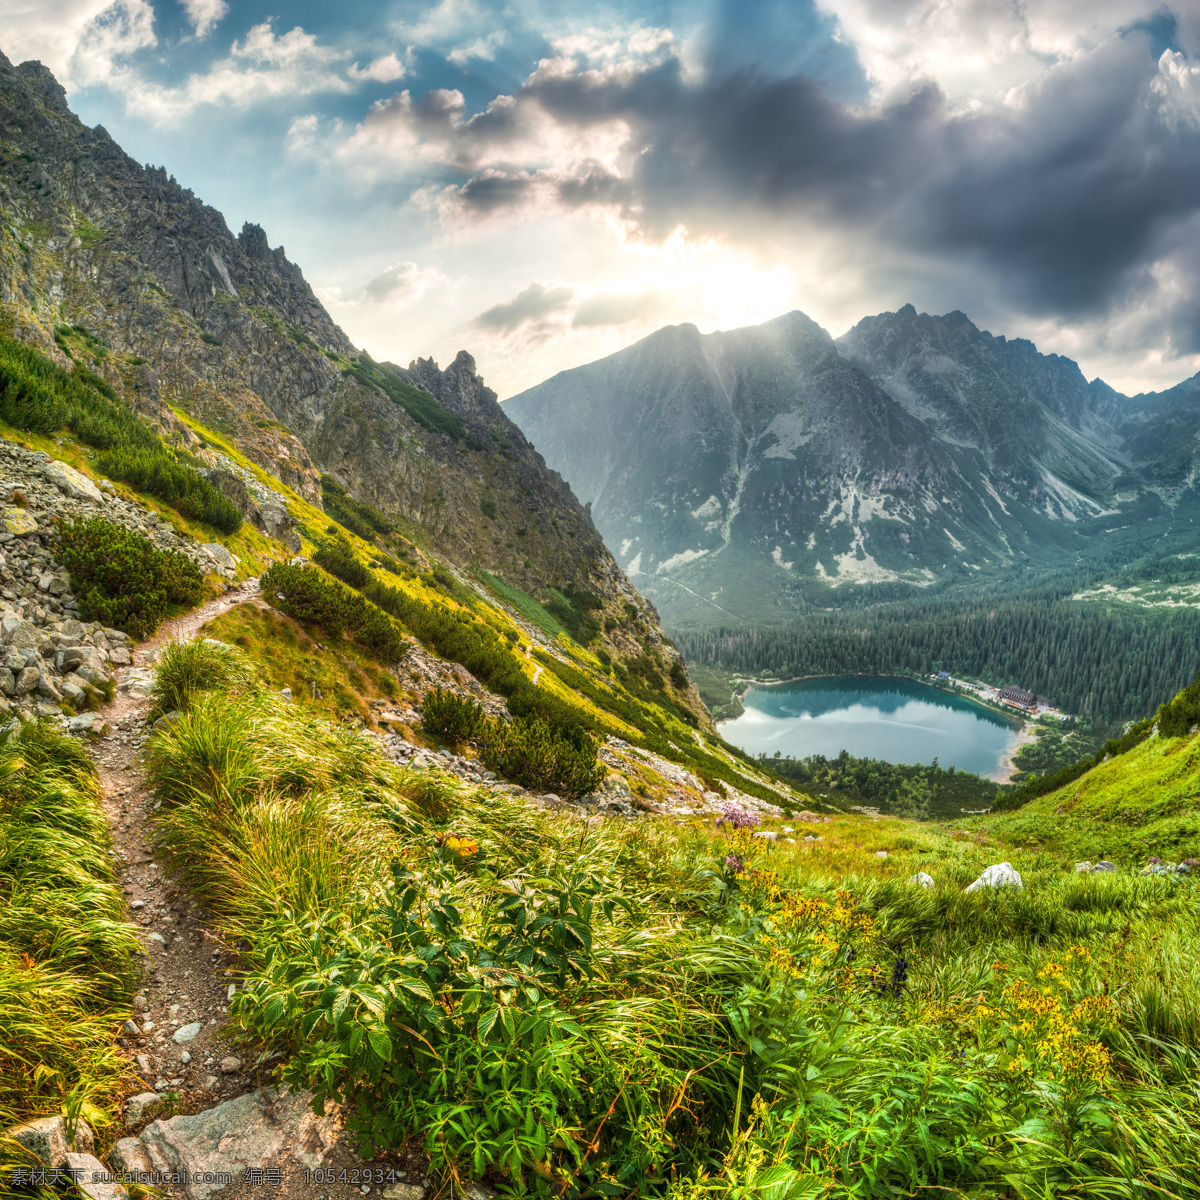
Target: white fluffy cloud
{"points": [[204, 15]]}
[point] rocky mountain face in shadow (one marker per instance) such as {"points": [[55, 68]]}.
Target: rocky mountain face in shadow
{"points": [[193, 320], [744, 475]]}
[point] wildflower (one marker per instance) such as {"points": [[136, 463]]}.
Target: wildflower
{"points": [[464, 847], [734, 816], [735, 863]]}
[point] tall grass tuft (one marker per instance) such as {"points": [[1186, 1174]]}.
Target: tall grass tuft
{"points": [[68, 958], [186, 668]]}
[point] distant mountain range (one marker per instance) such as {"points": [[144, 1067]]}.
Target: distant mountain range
{"points": [[747, 474]]}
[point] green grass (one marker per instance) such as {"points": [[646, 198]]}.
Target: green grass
{"points": [[528, 606], [68, 959], [626, 1009], [1139, 803]]}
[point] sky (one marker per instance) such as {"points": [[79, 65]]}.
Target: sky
{"points": [[542, 184]]}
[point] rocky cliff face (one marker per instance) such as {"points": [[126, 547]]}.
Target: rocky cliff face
{"points": [[180, 314], [745, 474]]}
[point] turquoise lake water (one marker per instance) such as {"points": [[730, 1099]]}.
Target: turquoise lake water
{"points": [[896, 720]]}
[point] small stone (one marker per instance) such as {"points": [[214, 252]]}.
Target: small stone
{"points": [[232, 991], [137, 905], [143, 1062], [131, 1027], [128, 1157], [187, 1033], [91, 1178], [166, 721], [158, 937], [231, 1065], [141, 1106], [185, 1058], [404, 1191], [147, 1026]]}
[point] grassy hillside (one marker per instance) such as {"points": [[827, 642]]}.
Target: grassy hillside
{"points": [[651, 1008], [1141, 803]]}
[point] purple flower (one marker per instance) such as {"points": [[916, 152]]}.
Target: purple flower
{"points": [[734, 863], [736, 817]]}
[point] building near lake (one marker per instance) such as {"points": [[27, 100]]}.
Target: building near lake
{"points": [[1018, 698]]}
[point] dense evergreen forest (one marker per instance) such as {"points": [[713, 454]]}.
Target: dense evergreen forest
{"points": [[918, 791], [1108, 663]]}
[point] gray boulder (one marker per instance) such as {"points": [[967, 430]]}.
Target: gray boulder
{"points": [[998, 875], [129, 1158], [279, 524], [71, 482], [45, 1140], [141, 1106], [236, 492], [260, 1129]]}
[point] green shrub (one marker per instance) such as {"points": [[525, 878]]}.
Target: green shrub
{"points": [[183, 488], [121, 579], [542, 758], [488, 508], [313, 598], [38, 395], [445, 714], [1178, 715], [337, 557], [186, 668], [211, 339]]}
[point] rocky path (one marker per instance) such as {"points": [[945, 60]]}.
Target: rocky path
{"points": [[177, 1043]]}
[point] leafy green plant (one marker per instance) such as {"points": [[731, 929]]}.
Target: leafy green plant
{"points": [[121, 579], [445, 714]]}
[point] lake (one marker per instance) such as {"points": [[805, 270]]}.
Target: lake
{"points": [[896, 720]]}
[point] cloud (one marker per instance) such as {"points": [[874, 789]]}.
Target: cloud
{"points": [[483, 48], [533, 306], [399, 284], [204, 15], [118, 31], [386, 69], [1062, 192]]}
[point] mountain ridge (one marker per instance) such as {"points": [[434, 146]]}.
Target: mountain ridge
{"points": [[913, 450]]}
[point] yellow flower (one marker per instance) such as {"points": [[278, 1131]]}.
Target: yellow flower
{"points": [[464, 847]]}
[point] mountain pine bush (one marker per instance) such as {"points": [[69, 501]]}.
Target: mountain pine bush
{"points": [[542, 757], [121, 578], [445, 714], [313, 598], [40, 396]]}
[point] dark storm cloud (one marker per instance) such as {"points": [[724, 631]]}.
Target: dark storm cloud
{"points": [[1061, 198]]}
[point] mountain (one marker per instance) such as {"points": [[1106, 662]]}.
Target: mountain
{"points": [[751, 473], [112, 263]]}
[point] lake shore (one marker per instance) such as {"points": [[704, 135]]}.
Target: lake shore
{"points": [[1006, 768]]}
